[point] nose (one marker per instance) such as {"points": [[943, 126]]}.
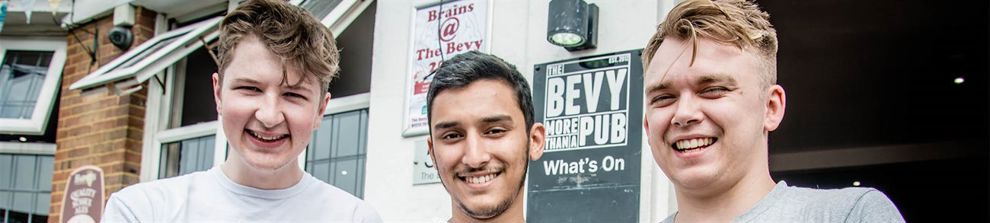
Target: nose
{"points": [[688, 112], [476, 155], [269, 112]]}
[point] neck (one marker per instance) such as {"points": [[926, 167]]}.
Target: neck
{"points": [[724, 204], [268, 179], [513, 214]]}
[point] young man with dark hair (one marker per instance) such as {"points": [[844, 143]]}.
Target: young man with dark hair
{"points": [[276, 63], [712, 100], [482, 136]]}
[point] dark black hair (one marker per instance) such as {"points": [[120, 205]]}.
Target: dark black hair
{"points": [[466, 68]]}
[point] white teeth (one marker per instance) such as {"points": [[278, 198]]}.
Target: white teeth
{"points": [[267, 138], [480, 179], [688, 144]]}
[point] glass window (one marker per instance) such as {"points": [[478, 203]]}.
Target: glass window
{"points": [[186, 156], [25, 197], [21, 76], [152, 56], [337, 153], [320, 8], [29, 74]]}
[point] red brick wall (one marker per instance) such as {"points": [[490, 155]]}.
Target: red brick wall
{"points": [[100, 129]]}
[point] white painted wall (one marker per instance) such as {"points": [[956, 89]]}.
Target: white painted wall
{"points": [[519, 37]]}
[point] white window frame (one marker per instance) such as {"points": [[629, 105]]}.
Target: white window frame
{"points": [[346, 12], [46, 98], [27, 148], [154, 63]]}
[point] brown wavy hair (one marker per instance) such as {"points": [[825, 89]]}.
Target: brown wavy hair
{"points": [[289, 32], [737, 22]]}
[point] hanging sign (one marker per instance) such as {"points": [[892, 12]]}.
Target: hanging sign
{"points": [[82, 201], [590, 169]]}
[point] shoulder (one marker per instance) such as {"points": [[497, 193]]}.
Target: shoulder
{"points": [[162, 188], [140, 202], [342, 202], [853, 204]]}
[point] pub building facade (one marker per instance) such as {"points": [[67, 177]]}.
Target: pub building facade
{"points": [[115, 89]]}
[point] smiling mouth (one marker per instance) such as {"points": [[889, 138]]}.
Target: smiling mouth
{"points": [[693, 144], [480, 179], [266, 138]]}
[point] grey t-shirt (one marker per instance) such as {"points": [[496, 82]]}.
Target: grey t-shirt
{"points": [[797, 204]]}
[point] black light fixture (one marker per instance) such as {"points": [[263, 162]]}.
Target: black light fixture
{"points": [[573, 24]]}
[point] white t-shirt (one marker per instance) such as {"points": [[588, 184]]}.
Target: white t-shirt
{"points": [[210, 196]]}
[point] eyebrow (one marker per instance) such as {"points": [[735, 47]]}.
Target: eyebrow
{"points": [[705, 79], [486, 120], [245, 80], [298, 87], [711, 78]]}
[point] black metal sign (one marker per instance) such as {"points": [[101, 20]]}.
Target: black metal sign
{"points": [[590, 169]]}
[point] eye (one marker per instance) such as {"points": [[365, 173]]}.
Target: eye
{"points": [[295, 95], [247, 88], [714, 92], [451, 136], [662, 100], [495, 131]]}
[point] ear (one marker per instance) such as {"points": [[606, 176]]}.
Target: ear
{"points": [[646, 125], [776, 104], [429, 150], [322, 108], [537, 137], [217, 87]]}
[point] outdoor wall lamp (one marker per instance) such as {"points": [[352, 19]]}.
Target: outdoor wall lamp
{"points": [[573, 24]]}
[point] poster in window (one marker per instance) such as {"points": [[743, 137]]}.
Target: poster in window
{"points": [[440, 31]]}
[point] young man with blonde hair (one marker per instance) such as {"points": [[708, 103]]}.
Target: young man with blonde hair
{"points": [[276, 63], [712, 100]]}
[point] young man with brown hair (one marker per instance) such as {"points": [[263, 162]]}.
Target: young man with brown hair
{"points": [[712, 100], [482, 136], [276, 63]]}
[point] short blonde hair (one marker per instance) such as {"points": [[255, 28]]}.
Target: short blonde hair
{"points": [[289, 32], [737, 22]]}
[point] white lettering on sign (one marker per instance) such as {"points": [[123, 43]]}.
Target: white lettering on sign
{"points": [[587, 108], [82, 199], [562, 93], [583, 165]]}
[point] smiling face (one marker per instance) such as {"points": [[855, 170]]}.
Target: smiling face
{"points": [[268, 121], [708, 122], [480, 146]]}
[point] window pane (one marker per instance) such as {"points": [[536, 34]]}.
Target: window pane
{"points": [[345, 175], [348, 141], [321, 171], [39, 218], [320, 8], [45, 171], [42, 203], [147, 52], [16, 216], [6, 171], [186, 156], [24, 172], [21, 77], [6, 199], [321, 146], [197, 101], [23, 202]]}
